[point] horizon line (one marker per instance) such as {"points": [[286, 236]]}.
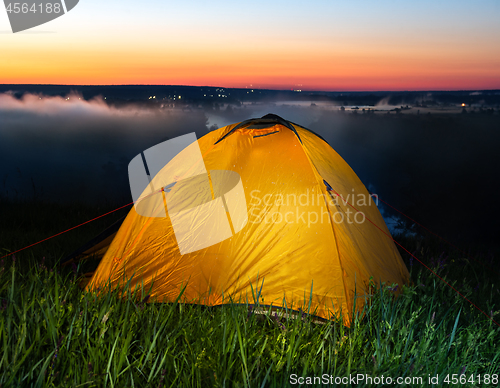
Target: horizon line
{"points": [[270, 89]]}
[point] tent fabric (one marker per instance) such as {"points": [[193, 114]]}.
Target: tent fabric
{"points": [[300, 243]]}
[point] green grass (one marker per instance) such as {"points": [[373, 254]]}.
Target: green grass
{"points": [[54, 334]]}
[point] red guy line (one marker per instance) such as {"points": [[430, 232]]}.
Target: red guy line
{"points": [[416, 258], [74, 227]]}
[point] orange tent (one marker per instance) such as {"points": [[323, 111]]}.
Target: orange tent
{"points": [[265, 205]]}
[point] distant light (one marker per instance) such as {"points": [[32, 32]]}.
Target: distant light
{"points": [[463, 104], [180, 97]]}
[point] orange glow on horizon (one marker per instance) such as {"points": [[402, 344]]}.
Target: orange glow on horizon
{"points": [[321, 45], [314, 67]]}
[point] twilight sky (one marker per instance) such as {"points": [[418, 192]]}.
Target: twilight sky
{"points": [[308, 45]]}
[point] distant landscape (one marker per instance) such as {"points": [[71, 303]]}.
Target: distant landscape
{"points": [[430, 154], [205, 96]]}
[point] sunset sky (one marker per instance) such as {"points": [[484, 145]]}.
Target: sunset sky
{"points": [[308, 45]]}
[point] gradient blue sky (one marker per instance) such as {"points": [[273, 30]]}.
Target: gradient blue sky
{"points": [[329, 45]]}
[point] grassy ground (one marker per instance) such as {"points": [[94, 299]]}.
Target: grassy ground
{"points": [[53, 334]]}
